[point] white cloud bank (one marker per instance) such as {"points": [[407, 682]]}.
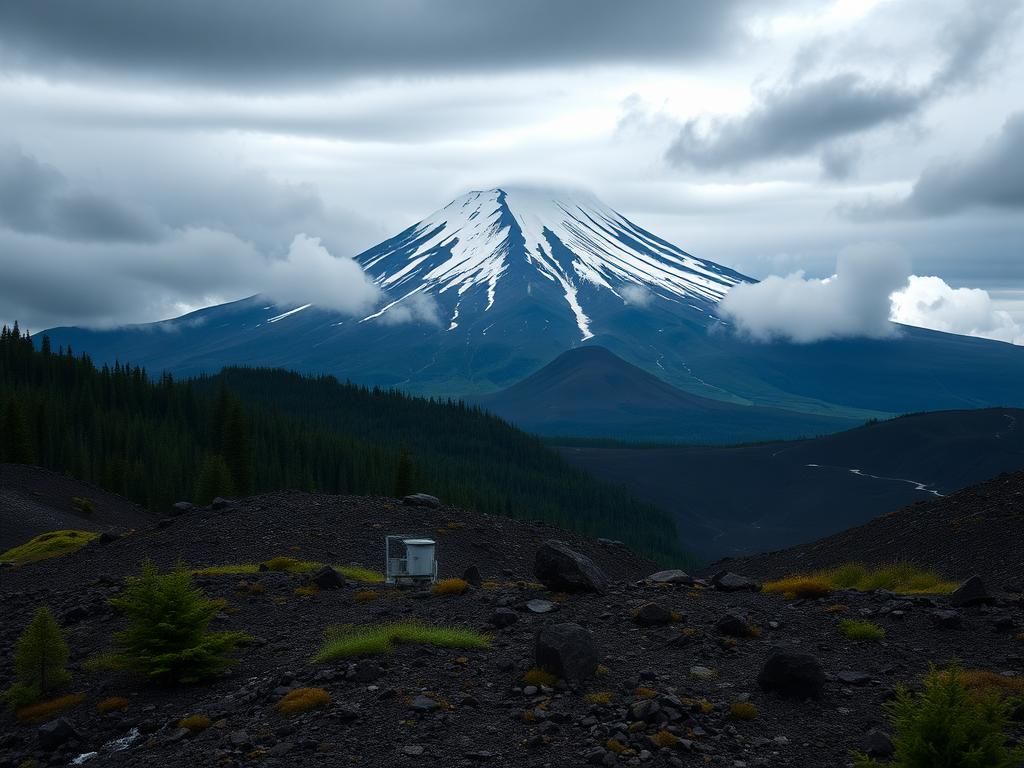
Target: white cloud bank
{"points": [[929, 302], [871, 289], [309, 274]]}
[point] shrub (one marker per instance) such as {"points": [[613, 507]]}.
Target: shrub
{"points": [[83, 505], [47, 545], [944, 726], [194, 723], [600, 698], [344, 642], [40, 656], [450, 587], [742, 710], [167, 637], [303, 700], [664, 738], [47, 710], [861, 630], [112, 704], [540, 676]]}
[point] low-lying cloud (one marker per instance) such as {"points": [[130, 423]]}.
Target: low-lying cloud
{"points": [[636, 295], [870, 292], [854, 302], [417, 307], [929, 302], [309, 274]]}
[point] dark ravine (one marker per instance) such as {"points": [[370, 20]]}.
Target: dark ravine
{"points": [[379, 715]]}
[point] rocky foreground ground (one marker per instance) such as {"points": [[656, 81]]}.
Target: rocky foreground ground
{"points": [[660, 673]]}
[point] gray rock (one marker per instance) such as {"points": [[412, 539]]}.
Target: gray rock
{"points": [[240, 739], [674, 576], [220, 503], [328, 578], [878, 743], [792, 675], [971, 592], [853, 678], [182, 508], [726, 581], [55, 733], [732, 625], [652, 615], [947, 619], [567, 650], [541, 606], [503, 617], [421, 500], [562, 569], [412, 750], [424, 704], [472, 576]]}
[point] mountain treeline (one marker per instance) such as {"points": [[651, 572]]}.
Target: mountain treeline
{"points": [[157, 441]]}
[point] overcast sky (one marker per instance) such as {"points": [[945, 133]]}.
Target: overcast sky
{"points": [[160, 156]]}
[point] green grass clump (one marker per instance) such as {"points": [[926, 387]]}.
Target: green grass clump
{"points": [[742, 710], [283, 564], [945, 726], [375, 639], [861, 630], [902, 578], [47, 545]]}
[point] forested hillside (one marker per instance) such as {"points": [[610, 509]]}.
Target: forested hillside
{"points": [[248, 430]]}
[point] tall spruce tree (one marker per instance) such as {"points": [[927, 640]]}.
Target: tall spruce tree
{"points": [[40, 657]]}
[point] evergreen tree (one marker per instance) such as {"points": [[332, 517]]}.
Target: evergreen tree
{"points": [[403, 475], [15, 438], [237, 450], [40, 656], [167, 637], [214, 480]]}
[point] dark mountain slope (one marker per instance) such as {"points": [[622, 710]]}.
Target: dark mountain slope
{"points": [[979, 529], [751, 498], [589, 391], [34, 500]]}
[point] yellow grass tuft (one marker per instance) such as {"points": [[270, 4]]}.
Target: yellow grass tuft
{"points": [[47, 545], [365, 595], [616, 746], [902, 578], [194, 723], [837, 608], [981, 683], [112, 704], [645, 693], [303, 700], [853, 629], [600, 698], [540, 676], [742, 710], [794, 587], [664, 738], [47, 710], [450, 587], [306, 590]]}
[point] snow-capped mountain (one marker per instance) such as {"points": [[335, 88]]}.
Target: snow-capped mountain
{"points": [[498, 283], [501, 242]]}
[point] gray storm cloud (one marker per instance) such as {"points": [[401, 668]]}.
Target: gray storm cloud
{"points": [[261, 43]]}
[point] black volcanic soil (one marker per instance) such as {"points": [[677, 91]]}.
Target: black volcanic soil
{"points": [[977, 530], [34, 500], [483, 702]]}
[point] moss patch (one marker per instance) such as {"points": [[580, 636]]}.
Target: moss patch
{"points": [[47, 545]]}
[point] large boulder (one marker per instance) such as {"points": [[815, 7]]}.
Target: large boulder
{"points": [[55, 733], [734, 625], [328, 578], [567, 650], [562, 569], [673, 576], [792, 675], [472, 576], [971, 592]]}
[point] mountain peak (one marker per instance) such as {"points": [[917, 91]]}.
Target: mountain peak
{"points": [[505, 241]]}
